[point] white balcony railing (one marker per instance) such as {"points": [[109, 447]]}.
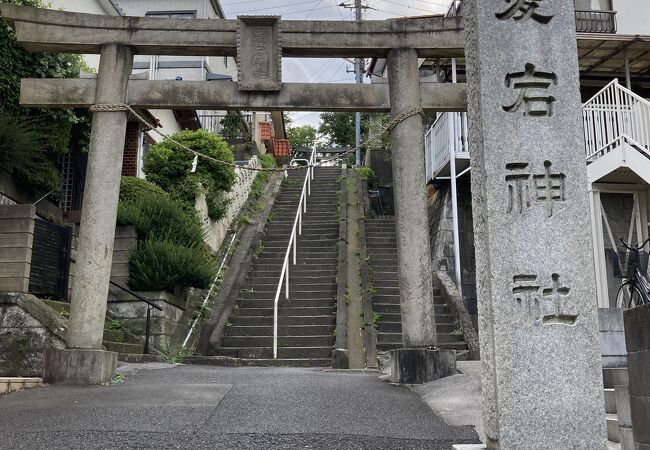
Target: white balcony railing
{"points": [[613, 116], [446, 138]]}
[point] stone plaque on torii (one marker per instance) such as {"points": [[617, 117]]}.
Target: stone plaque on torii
{"points": [[537, 312]]}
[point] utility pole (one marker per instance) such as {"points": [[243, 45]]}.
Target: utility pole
{"points": [[357, 71]]}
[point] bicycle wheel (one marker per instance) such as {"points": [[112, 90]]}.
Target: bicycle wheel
{"points": [[628, 296]]}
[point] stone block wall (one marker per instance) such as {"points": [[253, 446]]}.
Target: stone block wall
{"points": [[441, 228], [637, 338], [133, 315], [16, 238], [28, 327], [126, 239], [238, 195]]}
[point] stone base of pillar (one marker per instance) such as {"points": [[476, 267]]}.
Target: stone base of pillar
{"points": [[340, 359], [421, 365], [79, 366]]}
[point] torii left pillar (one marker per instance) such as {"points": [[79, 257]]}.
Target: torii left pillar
{"points": [[84, 361]]}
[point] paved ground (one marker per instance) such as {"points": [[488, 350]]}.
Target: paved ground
{"points": [[161, 406]]}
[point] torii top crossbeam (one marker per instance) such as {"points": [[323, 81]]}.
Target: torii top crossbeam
{"points": [[259, 85], [56, 31]]}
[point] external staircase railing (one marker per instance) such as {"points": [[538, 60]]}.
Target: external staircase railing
{"points": [[613, 116], [292, 246], [444, 139]]}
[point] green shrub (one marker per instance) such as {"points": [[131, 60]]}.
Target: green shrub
{"points": [[368, 175], [132, 188], [267, 161], [169, 166], [159, 217], [162, 265]]}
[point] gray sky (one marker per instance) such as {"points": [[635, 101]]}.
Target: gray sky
{"points": [[332, 70]]}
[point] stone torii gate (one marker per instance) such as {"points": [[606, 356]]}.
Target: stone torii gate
{"points": [[541, 382]]}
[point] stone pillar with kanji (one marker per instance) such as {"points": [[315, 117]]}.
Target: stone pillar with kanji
{"points": [[542, 382]]}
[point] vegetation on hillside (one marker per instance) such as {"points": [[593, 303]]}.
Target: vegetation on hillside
{"points": [[170, 249], [31, 139], [170, 167]]}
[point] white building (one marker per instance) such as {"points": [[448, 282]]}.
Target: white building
{"points": [[613, 39]]}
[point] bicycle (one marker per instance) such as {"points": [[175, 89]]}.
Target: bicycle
{"points": [[635, 290]]}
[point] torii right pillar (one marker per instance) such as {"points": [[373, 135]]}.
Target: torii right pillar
{"points": [[542, 382]]}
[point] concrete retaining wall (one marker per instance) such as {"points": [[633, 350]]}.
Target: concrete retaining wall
{"points": [[28, 327], [16, 238], [133, 313]]}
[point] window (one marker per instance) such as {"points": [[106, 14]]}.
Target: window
{"points": [[172, 14]]}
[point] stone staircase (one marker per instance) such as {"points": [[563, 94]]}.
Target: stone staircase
{"points": [[307, 319], [116, 339], [382, 250], [617, 407]]}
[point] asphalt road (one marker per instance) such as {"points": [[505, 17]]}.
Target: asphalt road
{"points": [[162, 406]]}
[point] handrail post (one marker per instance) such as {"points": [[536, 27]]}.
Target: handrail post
{"points": [[146, 331]]}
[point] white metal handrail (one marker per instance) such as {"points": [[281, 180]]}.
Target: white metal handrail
{"points": [[292, 245], [613, 115], [446, 137]]}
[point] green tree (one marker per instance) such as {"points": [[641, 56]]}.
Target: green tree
{"points": [[170, 167], [302, 136], [338, 128], [49, 130]]}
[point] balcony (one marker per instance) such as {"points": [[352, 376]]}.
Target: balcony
{"points": [[445, 147], [595, 21], [587, 21]]}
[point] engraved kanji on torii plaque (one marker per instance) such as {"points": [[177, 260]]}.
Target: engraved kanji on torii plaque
{"points": [[531, 83], [524, 10], [542, 305], [259, 53], [546, 187]]}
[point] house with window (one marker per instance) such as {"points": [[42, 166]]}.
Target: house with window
{"points": [[613, 40]]}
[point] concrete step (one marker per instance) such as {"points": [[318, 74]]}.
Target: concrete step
{"points": [[389, 327], [254, 278], [121, 347], [384, 283], [283, 352], [304, 261], [384, 250], [283, 330], [613, 430], [327, 302], [615, 376], [610, 401], [384, 265], [296, 284], [460, 345], [384, 275], [237, 362], [139, 358], [323, 291], [297, 270], [284, 341], [314, 243], [303, 273], [267, 321], [286, 311], [381, 290]]}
